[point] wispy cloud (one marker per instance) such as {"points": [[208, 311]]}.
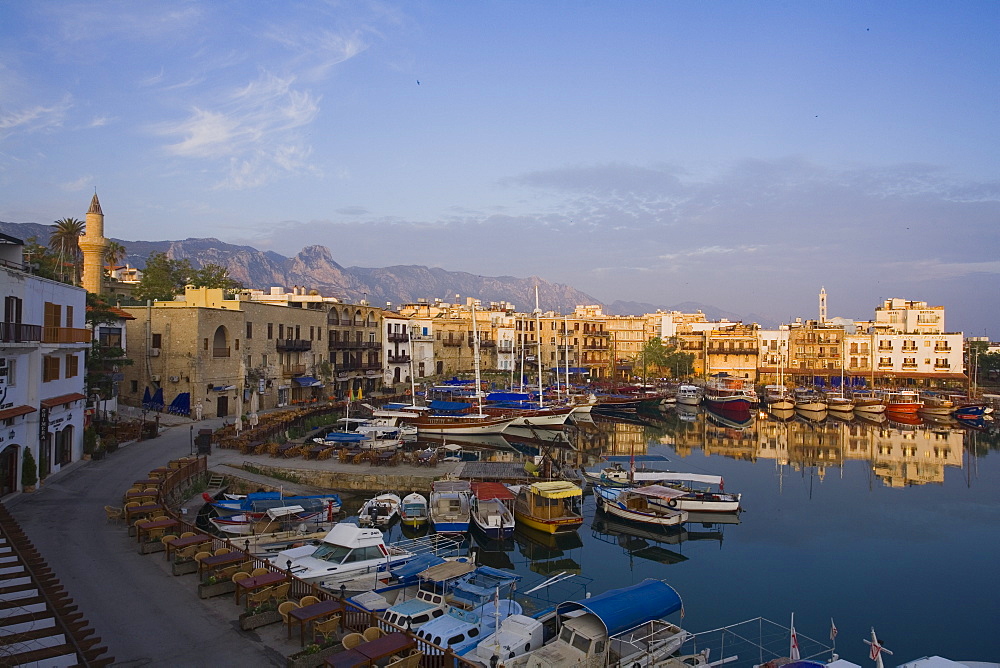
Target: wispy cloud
{"points": [[35, 119], [78, 184]]}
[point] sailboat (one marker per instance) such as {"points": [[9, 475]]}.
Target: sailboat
{"points": [[464, 422]]}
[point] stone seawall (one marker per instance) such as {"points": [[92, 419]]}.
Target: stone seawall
{"points": [[368, 480]]}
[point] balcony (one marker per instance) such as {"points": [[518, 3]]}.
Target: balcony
{"points": [[15, 332], [220, 352], [293, 369], [483, 343], [453, 342], [398, 359], [945, 349], [941, 366], [421, 337], [505, 347], [398, 337], [345, 345], [371, 345], [909, 366], [66, 335], [603, 347], [293, 345]]}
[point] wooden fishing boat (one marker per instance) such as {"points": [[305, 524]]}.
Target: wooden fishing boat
{"points": [[551, 507]]}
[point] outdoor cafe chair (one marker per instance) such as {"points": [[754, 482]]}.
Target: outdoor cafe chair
{"points": [[114, 514], [258, 597], [221, 551], [280, 592], [352, 640], [188, 534], [327, 628], [260, 570], [285, 608], [308, 600], [372, 633], [240, 575]]}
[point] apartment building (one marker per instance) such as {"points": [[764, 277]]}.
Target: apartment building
{"points": [[43, 344]]}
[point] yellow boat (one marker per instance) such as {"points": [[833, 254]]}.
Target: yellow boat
{"points": [[552, 507]]}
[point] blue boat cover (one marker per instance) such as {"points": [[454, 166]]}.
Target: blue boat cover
{"points": [[508, 396], [623, 609], [449, 405], [417, 564]]}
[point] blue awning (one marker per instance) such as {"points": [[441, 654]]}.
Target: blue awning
{"points": [[307, 381], [449, 405], [628, 607], [572, 369], [508, 396]]}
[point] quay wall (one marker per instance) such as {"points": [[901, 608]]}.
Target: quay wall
{"points": [[348, 481]]}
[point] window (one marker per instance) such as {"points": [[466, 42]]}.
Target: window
{"points": [[71, 366], [236, 344], [249, 330], [157, 339], [110, 337], [12, 307], [134, 386], [53, 315], [69, 316], [206, 343], [7, 370], [270, 330], [50, 368]]}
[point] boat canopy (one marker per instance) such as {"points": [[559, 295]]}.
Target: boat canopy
{"points": [[415, 566], [450, 486], [623, 609], [557, 489], [438, 405], [658, 492], [492, 490], [508, 396], [284, 511], [448, 570]]}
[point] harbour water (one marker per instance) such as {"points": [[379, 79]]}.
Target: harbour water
{"points": [[890, 525]]}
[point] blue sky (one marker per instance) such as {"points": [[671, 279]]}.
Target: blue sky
{"points": [[733, 153]]}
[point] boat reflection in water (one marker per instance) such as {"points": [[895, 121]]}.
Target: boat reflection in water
{"points": [[641, 542], [547, 552]]}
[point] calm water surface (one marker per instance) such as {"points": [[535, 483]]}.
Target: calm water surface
{"points": [[895, 526]]}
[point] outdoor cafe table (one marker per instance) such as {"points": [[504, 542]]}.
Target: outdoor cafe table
{"points": [[247, 585], [188, 541], [302, 616], [144, 528], [383, 457], [209, 564], [148, 482], [387, 645], [136, 496], [161, 472], [144, 509], [351, 658]]}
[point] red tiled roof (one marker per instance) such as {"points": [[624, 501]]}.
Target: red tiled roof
{"points": [[124, 315], [9, 413], [62, 399]]}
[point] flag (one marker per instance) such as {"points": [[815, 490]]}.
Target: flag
{"points": [[876, 648], [722, 485], [793, 650], [833, 630]]}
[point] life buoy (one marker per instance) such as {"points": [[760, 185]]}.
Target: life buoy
{"points": [[407, 393], [672, 503]]}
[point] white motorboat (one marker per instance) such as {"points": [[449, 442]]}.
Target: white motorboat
{"points": [[380, 510], [689, 395], [413, 511]]}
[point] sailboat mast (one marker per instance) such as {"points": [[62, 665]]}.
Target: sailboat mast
{"points": [[475, 357], [566, 352], [538, 355], [413, 382]]}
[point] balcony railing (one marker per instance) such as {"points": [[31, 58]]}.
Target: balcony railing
{"points": [[946, 349], [220, 352], [15, 332], [397, 337], [398, 359], [293, 369], [505, 347], [940, 365], [484, 343], [453, 342], [345, 345], [293, 345], [421, 337], [65, 335]]}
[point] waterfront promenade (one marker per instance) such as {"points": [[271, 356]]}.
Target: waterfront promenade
{"points": [[144, 615]]}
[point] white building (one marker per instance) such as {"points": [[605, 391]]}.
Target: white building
{"points": [[396, 360], [900, 315], [919, 356], [42, 344]]}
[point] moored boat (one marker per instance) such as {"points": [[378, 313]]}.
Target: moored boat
{"points": [[778, 397], [636, 504], [725, 393], [808, 399], [703, 493], [413, 510], [551, 507], [381, 510], [839, 401], [902, 401], [869, 402], [449, 508], [689, 395], [492, 509], [936, 404]]}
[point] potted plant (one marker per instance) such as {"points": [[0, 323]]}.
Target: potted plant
{"points": [[91, 442], [213, 586], [261, 615], [29, 472], [313, 655]]}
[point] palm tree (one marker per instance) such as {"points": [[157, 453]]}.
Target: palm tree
{"points": [[114, 253], [65, 240]]}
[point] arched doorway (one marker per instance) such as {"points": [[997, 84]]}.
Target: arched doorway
{"points": [[8, 469], [64, 445]]}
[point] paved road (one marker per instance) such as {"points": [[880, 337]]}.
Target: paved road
{"points": [[144, 615]]}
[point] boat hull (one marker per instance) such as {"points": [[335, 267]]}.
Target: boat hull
{"points": [[665, 518], [561, 525], [470, 427]]}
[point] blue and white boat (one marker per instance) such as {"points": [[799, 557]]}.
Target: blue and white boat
{"points": [[461, 630], [621, 627], [254, 506], [492, 513], [450, 506]]}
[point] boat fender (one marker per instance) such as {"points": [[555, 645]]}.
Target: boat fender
{"points": [[672, 503], [207, 497]]}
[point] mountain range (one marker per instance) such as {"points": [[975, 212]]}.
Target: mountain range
{"points": [[315, 269]]}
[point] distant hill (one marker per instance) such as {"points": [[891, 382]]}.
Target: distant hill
{"points": [[314, 268]]}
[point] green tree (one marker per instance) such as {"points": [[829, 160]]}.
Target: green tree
{"points": [[65, 242], [105, 359], [40, 259], [213, 276], [163, 278], [29, 470], [114, 253], [658, 359]]}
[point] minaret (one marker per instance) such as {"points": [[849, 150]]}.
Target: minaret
{"points": [[822, 298], [92, 244]]}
